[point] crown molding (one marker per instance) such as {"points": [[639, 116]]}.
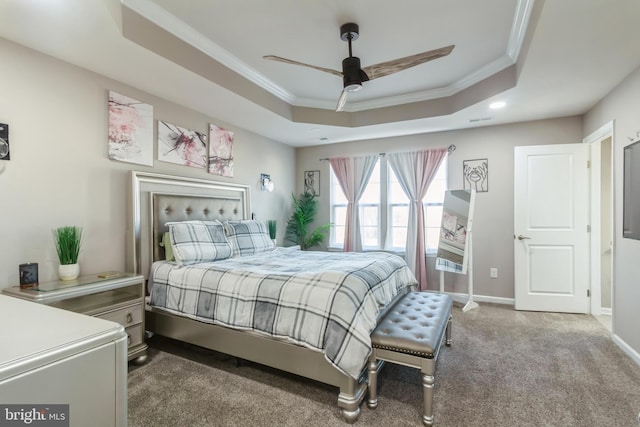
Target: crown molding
{"points": [[519, 28], [186, 33]]}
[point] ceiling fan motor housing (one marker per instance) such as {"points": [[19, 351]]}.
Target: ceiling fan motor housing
{"points": [[351, 74]]}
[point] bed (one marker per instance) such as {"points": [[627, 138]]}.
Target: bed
{"points": [[192, 296]]}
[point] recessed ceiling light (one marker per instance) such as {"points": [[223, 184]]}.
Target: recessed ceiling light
{"points": [[496, 105], [324, 138]]}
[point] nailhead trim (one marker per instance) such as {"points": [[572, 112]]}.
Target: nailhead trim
{"points": [[424, 313]]}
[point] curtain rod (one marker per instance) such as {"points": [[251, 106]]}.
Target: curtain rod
{"points": [[450, 149], [379, 154]]}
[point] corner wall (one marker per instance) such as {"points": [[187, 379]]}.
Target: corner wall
{"points": [[59, 172]]}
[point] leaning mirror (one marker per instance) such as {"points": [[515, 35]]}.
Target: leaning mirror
{"points": [[454, 247], [456, 225]]}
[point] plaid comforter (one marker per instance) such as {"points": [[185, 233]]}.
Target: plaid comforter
{"points": [[321, 300]]}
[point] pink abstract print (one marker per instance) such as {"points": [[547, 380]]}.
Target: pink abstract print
{"points": [[130, 130], [220, 151], [181, 146]]}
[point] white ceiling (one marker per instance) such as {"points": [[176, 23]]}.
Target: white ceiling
{"points": [[386, 34], [568, 55]]}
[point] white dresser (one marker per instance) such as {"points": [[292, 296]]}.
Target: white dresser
{"points": [[50, 356]]}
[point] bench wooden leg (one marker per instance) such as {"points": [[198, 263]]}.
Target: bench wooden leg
{"points": [[448, 332], [428, 382], [372, 366]]}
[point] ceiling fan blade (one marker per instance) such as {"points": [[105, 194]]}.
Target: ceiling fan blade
{"points": [[290, 61], [342, 101], [395, 65]]}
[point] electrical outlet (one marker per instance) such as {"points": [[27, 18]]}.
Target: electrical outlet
{"points": [[493, 273]]}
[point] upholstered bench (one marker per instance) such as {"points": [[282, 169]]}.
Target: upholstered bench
{"points": [[411, 334]]}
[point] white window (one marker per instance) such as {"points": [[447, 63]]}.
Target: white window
{"points": [[384, 211]]}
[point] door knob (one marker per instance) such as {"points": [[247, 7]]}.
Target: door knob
{"points": [[521, 237]]}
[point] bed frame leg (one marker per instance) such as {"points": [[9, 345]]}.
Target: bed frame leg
{"points": [[350, 398], [351, 416], [372, 401]]}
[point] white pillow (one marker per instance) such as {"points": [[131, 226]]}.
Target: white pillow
{"points": [[198, 241], [248, 237]]}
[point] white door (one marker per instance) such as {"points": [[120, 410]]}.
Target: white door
{"points": [[551, 240]]}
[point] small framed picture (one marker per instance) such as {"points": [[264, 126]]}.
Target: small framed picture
{"points": [[4, 142], [312, 182], [475, 174]]}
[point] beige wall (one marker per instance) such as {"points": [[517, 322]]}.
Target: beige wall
{"points": [[59, 173], [493, 216], [621, 106]]}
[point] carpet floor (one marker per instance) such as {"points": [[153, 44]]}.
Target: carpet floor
{"points": [[505, 368]]}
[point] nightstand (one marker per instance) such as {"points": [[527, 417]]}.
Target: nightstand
{"points": [[119, 299]]}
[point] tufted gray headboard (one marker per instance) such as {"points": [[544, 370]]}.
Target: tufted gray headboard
{"points": [[157, 199], [172, 207]]}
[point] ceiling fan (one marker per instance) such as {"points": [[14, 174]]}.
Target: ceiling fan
{"points": [[353, 75]]}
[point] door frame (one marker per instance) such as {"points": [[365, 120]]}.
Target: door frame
{"points": [[595, 139]]}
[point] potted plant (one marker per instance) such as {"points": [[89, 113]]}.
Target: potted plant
{"points": [[272, 225], [67, 240], [305, 208]]}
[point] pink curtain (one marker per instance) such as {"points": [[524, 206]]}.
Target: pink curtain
{"points": [[415, 171], [353, 174]]}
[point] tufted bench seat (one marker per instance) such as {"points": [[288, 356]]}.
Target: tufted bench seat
{"points": [[411, 334]]}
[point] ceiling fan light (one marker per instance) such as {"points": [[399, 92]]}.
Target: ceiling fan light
{"points": [[353, 87]]}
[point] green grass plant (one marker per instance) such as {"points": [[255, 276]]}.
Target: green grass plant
{"points": [[67, 240]]}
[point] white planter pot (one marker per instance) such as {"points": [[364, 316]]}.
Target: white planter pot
{"points": [[68, 271]]}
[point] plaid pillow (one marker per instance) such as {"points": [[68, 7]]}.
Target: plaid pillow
{"points": [[198, 241], [248, 237]]}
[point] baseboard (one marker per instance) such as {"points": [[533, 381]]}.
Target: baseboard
{"points": [[626, 348], [463, 298]]}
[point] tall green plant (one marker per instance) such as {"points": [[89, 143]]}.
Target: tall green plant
{"points": [[67, 240], [305, 208]]}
